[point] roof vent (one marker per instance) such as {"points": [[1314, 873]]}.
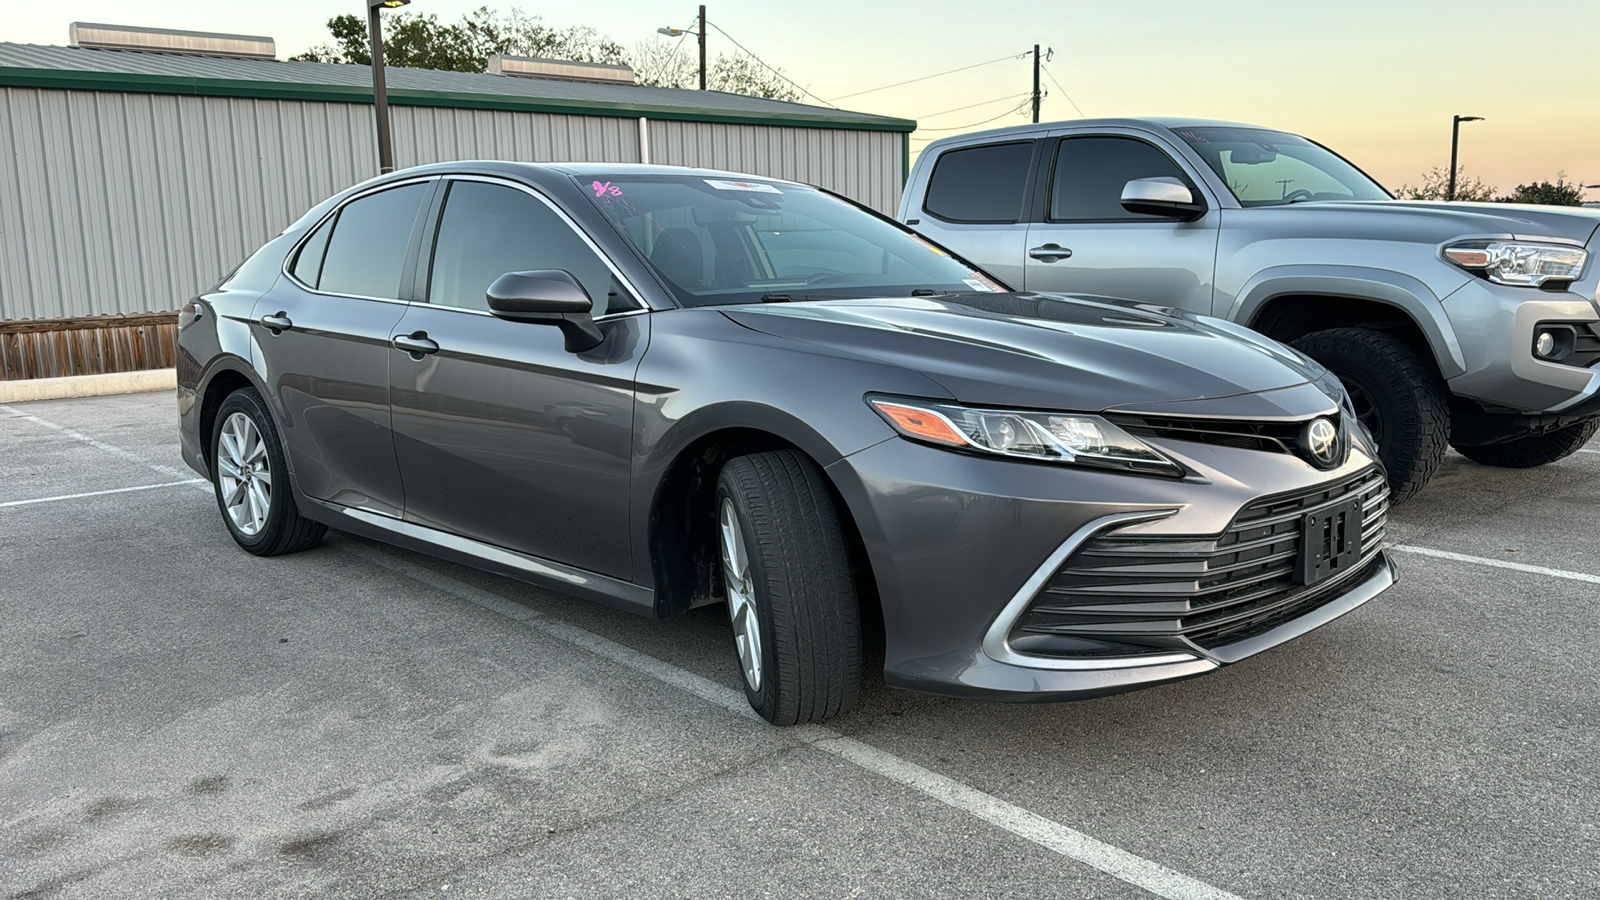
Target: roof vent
{"points": [[559, 69], [164, 40]]}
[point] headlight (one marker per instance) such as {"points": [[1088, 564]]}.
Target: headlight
{"points": [[1519, 262], [1069, 438]]}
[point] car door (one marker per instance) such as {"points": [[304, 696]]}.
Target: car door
{"points": [[321, 338], [1083, 241], [975, 203], [502, 435]]}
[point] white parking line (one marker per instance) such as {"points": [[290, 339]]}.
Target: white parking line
{"points": [[114, 451], [1497, 563], [1052, 835], [142, 487], [1587, 450]]}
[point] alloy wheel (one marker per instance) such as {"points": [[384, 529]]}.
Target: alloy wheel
{"points": [[741, 596], [244, 474]]}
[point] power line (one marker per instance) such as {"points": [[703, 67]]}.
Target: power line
{"points": [[970, 106], [763, 64], [926, 77], [1015, 110], [1064, 93]]}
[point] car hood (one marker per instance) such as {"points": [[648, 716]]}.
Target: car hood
{"points": [[1441, 221], [1044, 351]]}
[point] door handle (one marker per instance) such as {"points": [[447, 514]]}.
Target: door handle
{"points": [[277, 323], [417, 344], [1050, 253]]}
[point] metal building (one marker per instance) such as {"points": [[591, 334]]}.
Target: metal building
{"points": [[130, 180]]}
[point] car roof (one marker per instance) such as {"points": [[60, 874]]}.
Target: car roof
{"points": [[545, 173]]}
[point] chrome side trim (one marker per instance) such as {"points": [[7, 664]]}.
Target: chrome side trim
{"points": [[997, 643], [522, 562]]}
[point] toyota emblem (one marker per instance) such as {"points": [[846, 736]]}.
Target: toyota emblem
{"points": [[1321, 440]]}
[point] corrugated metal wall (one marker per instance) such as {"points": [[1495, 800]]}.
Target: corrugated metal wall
{"points": [[118, 203], [862, 165]]}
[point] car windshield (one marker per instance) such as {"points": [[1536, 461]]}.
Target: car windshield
{"points": [[721, 241], [1271, 168]]}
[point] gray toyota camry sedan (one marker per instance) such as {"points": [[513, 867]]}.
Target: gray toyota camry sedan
{"points": [[664, 388]]}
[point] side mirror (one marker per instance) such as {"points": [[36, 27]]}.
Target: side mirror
{"points": [[1161, 196], [548, 296]]}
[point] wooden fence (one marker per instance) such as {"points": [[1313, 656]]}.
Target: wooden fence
{"points": [[48, 348]]}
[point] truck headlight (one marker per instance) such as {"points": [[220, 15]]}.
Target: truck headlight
{"points": [[1070, 438], [1523, 263]]}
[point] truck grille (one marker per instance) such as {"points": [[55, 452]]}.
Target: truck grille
{"points": [[1126, 595]]}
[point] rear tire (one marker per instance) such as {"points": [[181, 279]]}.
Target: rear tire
{"points": [[1398, 396], [251, 480], [785, 569], [1535, 449]]}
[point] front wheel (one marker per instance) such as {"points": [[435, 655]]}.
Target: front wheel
{"points": [[1535, 449], [1397, 395], [251, 478], [791, 595]]}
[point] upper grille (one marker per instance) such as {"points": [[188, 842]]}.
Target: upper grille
{"points": [[1244, 434], [1126, 595]]}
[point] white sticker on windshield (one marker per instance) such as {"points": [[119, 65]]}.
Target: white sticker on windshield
{"points": [[753, 186], [977, 285]]}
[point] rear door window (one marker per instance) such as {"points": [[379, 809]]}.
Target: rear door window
{"points": [[489, 230], [980, 184], [367, 252], [307, 267], [1090, 173]]}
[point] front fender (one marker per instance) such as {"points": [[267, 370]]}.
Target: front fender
{"points": [[1405, 293]]}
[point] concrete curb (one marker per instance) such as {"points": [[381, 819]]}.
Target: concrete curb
{"points": [[88, 385]]}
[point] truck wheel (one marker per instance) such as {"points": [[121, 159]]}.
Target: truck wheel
{"points": [[1397, 395], [791, 595], [1535, 449], [251, 479]]}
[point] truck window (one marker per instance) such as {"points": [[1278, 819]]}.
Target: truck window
{"points": [[980, 184], [1090, 173]]}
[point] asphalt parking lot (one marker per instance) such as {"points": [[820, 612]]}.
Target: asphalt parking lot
{"points": [[180, 719]]}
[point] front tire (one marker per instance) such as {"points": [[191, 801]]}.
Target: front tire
{"points": [[1397, 395], [785, 569], [1535, 449], [251, 479]]}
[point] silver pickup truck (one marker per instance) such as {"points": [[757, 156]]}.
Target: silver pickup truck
{"points": [[1475, 325]]}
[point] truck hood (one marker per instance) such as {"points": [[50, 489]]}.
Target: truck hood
{"points": [[1430, 220], [1045, 351]]}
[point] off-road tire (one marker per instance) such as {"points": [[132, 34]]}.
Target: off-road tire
{"points": [[285, 530], [1535, 449], [1403, 388], [803, 588]]}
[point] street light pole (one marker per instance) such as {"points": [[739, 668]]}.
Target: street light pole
{"points": [[699, 33], [380, 91], [1455, 141]]}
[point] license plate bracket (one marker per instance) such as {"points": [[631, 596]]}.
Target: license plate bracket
{"points": [[1330, 540]]}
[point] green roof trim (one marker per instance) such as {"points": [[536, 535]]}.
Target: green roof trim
{"points": [[145, 83]]}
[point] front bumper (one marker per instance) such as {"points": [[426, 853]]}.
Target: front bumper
{"points": [[1495, 326], [956, 540]]}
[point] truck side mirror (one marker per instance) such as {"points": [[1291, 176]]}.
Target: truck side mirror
{"points": [[1161, 196]]}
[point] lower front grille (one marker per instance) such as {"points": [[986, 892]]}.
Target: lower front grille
{"points": [[1124, 595]]}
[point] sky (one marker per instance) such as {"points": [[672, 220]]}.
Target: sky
{"points": [[1377, 80]]}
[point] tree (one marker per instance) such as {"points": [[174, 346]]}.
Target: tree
{"points": [[1561, 192], [414, 41], [1436, 183], [422, 42], [668, 64]]}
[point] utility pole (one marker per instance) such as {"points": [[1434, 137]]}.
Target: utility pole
{"points": [[702, 30], [1036, 97]]}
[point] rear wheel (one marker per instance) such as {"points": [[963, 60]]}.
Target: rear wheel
{"points": [[1535, 449], [791, 595], [251, 479], [1398, 396]]}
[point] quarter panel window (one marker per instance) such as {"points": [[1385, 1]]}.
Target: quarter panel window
{"points": [[489, 230], [980, 184], [1090, 173], [367, 251], [308, 265]]}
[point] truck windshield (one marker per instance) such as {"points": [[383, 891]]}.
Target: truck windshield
{"points": [[1271, 168], [720, 241]]}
